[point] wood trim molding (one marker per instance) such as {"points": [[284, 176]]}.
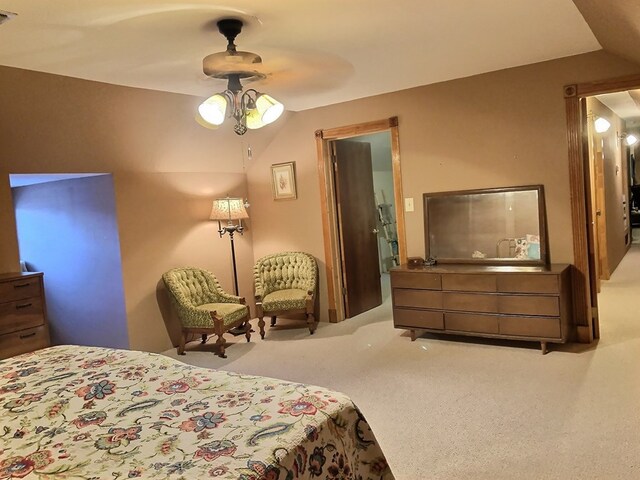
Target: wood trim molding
{"points": [[327, 203], [583, 281], [580, 274]]}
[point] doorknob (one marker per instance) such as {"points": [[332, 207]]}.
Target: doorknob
{"points": [[375, 230]]}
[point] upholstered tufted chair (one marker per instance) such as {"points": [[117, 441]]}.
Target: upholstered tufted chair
{"points": [[203, 307], [286, 283]]}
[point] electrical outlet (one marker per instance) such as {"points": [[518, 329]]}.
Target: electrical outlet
{"points": [[408, 204]]}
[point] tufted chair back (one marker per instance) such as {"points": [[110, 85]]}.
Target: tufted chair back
{"points": [[191, 287], [285, 270]]}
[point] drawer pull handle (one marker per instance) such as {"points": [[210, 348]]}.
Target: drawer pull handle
{"points": [[27, 335], [23, 305], [21, 285]]}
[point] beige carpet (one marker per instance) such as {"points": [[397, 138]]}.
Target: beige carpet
{"points": [[473, 409]]}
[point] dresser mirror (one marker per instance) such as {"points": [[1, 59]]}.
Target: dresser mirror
{"points": [[490, 226]]}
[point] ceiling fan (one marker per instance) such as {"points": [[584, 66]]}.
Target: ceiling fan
{"points": [[250, 109]]}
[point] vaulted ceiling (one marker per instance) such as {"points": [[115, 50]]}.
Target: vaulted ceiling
{"points": [[314, 53]]}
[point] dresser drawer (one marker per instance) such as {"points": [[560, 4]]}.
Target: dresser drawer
{"points": [[469, 283], [23, 341], [529, 284], [404, 317], [545, 306], [531, 327], [468, 322], [19, 288], [427, 281], [21, 314], [470, 302], [404, 297]]}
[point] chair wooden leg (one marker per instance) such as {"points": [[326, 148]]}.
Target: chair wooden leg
{"points": [[204, 338], [261, 326], [247, 332], [311, 321], [273, 321], [220, 344], [183, 339]]}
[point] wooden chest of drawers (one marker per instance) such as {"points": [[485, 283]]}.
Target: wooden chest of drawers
{"points": [[523, 303], [23, 320]]}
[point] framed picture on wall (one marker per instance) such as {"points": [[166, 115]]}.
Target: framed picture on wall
{"points": [[283, 181]]}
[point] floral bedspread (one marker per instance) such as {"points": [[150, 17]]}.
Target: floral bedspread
{"points": [[97, 413]]}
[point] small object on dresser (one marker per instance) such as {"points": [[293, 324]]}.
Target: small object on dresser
{"points": [[415, 262]]}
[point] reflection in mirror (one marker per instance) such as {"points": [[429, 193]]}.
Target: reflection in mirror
{"points": [[486, 226]]}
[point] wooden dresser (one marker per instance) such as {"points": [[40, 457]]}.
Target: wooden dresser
{"points": [[23, 319], [522, 303]]}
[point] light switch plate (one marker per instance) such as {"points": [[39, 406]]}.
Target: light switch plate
{"points": [[408, 204]]}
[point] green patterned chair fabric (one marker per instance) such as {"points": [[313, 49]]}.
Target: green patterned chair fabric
{"points": [[286, 283], [202, 304]]}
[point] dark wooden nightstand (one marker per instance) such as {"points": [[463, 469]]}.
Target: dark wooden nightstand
{"points": [[23, 318]]}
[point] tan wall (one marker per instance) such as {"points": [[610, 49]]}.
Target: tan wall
{"points": [[615, 182], [9, 259], [167, 169], [497, 129], [163, 219]]}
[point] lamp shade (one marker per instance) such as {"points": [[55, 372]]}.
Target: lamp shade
{"points": [[214, 109], [270, 109], [254, 119], [228, 209]]}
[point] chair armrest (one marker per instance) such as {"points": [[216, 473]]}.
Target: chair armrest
{"points": [[228, 298]]}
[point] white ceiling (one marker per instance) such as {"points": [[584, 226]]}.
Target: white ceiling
{"points": [[315, 53]]}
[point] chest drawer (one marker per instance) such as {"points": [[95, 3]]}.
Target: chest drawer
{"points": [[404, 297], [404, 317], [19, 288], [531, 327], [529, 305], [470, 302], [21, 314], [23, 341], [469, 322], [427, 281], [529, 284], [469, 283]]}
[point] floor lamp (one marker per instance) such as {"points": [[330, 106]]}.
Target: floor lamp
{"points": [[230, 209]]}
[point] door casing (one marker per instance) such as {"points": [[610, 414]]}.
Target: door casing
{"points": [[584, 275], [329, 214]]}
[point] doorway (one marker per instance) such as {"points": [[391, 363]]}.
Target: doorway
{"points": [[603, 119], [363, 222]]}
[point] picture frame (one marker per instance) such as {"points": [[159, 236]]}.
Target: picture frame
{"points": [[283, 181]]}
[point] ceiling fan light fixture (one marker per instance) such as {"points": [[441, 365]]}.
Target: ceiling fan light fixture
{"points": [[204, 123], [270, 109], [214, 109], [250, 109]]}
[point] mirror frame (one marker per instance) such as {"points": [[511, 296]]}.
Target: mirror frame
{"points": [[542, 227]]}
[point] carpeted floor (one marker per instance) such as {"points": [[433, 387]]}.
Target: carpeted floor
{"points": [[445, 408]]}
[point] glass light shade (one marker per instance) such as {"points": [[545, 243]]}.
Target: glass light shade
{"points": [[631, 139], [254, 119], [601, 125], [228, 209], [213, 110], [270, 109], [204, 123]]}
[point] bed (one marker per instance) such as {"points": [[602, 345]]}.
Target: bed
{"points": [[97, 413]]}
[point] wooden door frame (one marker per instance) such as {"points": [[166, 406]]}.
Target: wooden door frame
{"points": [[586, 317], [328, 203]]}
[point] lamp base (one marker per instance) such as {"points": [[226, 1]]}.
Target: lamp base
{"points": [[240, 330]]}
